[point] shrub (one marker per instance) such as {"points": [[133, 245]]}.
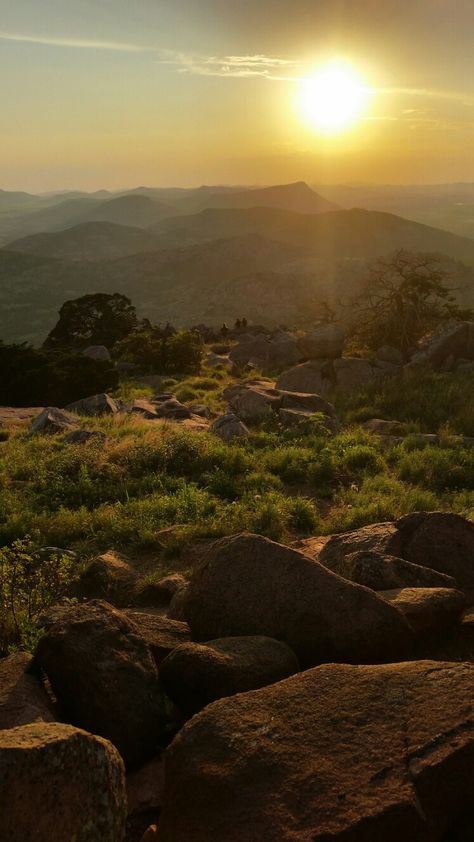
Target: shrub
{"points": [[29, 583]]}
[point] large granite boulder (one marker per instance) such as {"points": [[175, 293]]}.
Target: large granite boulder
{"points": [[105, 677], [349, 753], [60, 783], [195, 674], [23, 698], [252, 400], [249, 585], [108, 576], [381, 572], [428, 610], [161, 634], [314, 377], [441, 541]]}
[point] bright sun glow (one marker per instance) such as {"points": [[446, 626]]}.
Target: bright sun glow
{"points": [[333, 98]]}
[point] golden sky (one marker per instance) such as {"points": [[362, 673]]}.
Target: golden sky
{"points": [[113, 93]]}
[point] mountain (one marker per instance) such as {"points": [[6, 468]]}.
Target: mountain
{"points": [[447, 206], [340, 234], [88, 241], [132, 210], [296, 197], [213, 265]]}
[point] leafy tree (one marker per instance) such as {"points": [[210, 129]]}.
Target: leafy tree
{"points": [[33, 377], [404, 297], [162, 352], [99, 319]]}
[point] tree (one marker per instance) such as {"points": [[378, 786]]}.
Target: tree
{"points": [[162, 352], [404, 297], [99, 319], [33, 377]]}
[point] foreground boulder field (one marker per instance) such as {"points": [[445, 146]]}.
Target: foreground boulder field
{"points": [[353, 753], [306, 695], [60, 783]]}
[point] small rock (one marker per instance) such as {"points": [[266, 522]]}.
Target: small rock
{"points": [[95, 405], [53, 420], [228, 427]]}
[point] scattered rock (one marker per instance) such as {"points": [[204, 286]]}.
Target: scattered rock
{"points": [[314, 377], [453, 340], [145, 787], [53, 420], [95, 405], [353, 753], [141, 406], [228, 427], [58, 782], [108, 577], [380, 571], [177, 606], [104, 676], [161, 593], [97, 352], [22, 697], [383, 427], [388, 354], [200, 409], [85, 436], [428, 610], [215, 360], [161, 634], [194, 674], [248, 585], [322, 343], [252, 400]]}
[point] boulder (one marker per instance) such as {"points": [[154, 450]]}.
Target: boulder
{"points": [[142, 407], [353, 374], [108, 577], [340, 752], [85, 437], [161, 634], [53, 420], [104, 675], [214, 360], [388, 354], [252, 400], [228, 427], [454, 644], [145, 787], [441, 541], [322, 343], [380, 571], [308, 404], [195, 674], [249, 585], [98, 352], [314, 377], [255, 348], [60, 783], [23, 698], [453, 339], [177, 606], [428, 610], [95, 405], [160, 593], [383, 427]]}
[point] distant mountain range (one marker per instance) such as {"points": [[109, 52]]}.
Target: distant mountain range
{"points": [[275, 264]]}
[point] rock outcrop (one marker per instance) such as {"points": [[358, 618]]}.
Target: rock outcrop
{"points": [[353, 753], [60, 783], [249, 585], [381, 572], [428, 610], [105, 677], [193, 675]]}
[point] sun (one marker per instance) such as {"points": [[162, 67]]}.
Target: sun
{"points": [[333, 98]]}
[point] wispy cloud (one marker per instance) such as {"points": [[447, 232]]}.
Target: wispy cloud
{"points": [[240, 67], [75, 43]]}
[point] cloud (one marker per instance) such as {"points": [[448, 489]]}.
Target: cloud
{"points": [[240, 67], [75, 43]]}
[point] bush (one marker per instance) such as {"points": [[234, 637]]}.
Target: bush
{"points": [[41, 378], [29, 583], [161, 352]]}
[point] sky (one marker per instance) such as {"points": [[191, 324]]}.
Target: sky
{"points": [[119, 93]]}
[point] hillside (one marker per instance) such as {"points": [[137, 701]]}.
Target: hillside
{"points": [[87, 241], [352, 233]]}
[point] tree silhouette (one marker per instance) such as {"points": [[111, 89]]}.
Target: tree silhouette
{"points": [[99, 319]]}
